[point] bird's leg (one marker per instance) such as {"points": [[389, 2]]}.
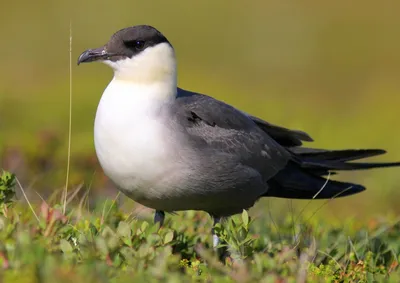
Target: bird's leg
{"points": [[215, 237], [222, 252], [159, 217]]}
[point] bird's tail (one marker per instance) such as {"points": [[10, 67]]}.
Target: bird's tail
{"points": [[320, 161], [302, 178], [335, 155], [296, 183]]}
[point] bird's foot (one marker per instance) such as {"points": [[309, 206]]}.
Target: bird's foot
{"points": [[159, 217]]}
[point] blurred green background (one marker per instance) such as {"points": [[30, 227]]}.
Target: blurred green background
{"points": [[330, 69]]}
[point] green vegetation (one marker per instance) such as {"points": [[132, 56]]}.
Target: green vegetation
{"points": [[107, 245]]}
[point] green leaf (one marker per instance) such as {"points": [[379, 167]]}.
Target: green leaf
{"points": [[218, 228], [101, 245], [168, 237], [124, 230], [7, 190], [245, 218], [143, 251], [144, 226], [65, 246], [93, 229]]}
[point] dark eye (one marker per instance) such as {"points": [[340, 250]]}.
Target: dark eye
{"points": [[137, 44]]}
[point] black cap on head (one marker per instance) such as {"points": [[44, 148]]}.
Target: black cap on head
{"points": [[125, 43]]}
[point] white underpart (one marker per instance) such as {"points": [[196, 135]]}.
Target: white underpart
{"points": [[131, 139]]}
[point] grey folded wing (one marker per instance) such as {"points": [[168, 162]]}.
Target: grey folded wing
{"points": [[232, 132]]}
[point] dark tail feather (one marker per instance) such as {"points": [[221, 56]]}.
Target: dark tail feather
{"points": [[314, 154], [296, 183], [343, 166], [301, 178], [320, 162]]}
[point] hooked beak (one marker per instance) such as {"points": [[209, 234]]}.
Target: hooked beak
{"points": [[91, 55]]}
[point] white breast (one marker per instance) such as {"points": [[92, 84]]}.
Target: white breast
{"points": [[132, 143]]}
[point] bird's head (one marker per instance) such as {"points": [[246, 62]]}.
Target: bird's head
{"points": [[140, 54]]}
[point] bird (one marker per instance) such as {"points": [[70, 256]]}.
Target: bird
{"points": [[172, 149]]}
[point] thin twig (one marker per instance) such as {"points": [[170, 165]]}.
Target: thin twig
{"points": [[308, 203], [81, 203], [70, 118], [322, 205], [331, 257], [323, 187], [273, 222], [27, 200], [327, 201], [290, 204], [112, 204], [74, 193]]}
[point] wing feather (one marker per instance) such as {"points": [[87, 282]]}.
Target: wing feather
{"points": [[230, 131]]}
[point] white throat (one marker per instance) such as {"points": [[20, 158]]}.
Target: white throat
{"points": [[153, 65]]}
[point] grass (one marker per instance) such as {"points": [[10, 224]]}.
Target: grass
{"points": [[107, 245]]}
